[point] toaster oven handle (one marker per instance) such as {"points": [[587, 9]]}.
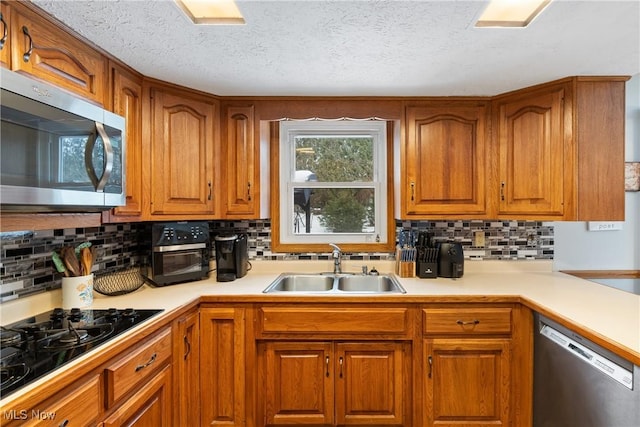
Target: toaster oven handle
{"points": [[99, 183], [173, 248]]}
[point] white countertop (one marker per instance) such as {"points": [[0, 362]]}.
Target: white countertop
{"points": [[605, 312]]}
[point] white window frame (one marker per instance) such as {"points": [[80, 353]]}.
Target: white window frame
{"points": [[289, 130]]}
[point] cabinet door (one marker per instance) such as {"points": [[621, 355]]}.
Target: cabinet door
{"points": [[241, 163], [532, 155], [373, 383], [149, 407], [5, 39], [182, 153], [186, 367], [222, 367], [126, 97], [446, 161], [297, 379], [46, 52], [467, 382]]}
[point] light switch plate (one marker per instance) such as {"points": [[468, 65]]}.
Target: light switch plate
{"points": [[604, 225]]}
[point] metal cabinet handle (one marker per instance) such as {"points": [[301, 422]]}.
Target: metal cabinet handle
{"points": [[430, 362], [502, 184], [187, 344], [153, 359], [413, 190], [27, 55], [210, 190], [341, 362], [248, 191], [5, 31], [64, 423], [472, 324], [327, 363]]}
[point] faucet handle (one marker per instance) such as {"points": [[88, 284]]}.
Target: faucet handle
{"points": [[335, 247]]}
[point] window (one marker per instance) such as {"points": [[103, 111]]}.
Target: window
{"points": [[333, 182]]}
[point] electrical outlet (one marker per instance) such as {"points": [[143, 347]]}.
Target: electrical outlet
{"points": [[478, 239], [605, 225]]}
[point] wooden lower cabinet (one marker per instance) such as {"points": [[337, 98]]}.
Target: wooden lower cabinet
{"points": [[222, 367], [334, 383], [148, 407], [186, 370], [467, 382]]}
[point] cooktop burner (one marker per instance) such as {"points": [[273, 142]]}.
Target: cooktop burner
{"points": [[38, 345]]}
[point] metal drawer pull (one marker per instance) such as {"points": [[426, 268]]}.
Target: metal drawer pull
{"points": [[327, 362], [430, 361], [153, 359], [65, 423], [341, 361], [466, 323]]}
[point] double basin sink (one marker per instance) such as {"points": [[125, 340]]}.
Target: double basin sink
{"points": [[335, 283]]}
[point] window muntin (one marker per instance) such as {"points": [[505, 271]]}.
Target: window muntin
{"points": [[333, 181]]}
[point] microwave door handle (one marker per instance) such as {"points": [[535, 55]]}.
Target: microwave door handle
{"points": [[99, 183]]}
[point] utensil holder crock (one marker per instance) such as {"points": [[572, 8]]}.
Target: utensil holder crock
{"points": [[77, 291]]}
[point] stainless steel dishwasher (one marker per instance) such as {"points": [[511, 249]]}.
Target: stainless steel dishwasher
{"points": [[577, 383]]}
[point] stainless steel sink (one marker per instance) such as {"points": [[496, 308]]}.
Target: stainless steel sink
{"points": [[335, 283], [368, 284], [301, 283]]}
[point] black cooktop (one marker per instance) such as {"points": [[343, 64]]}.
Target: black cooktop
{"points": [[38, 345]]}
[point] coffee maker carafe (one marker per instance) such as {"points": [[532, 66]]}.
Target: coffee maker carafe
{"points": [[232, 258]]}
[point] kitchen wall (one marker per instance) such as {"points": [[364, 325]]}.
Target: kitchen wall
{"points": [[576, 248], [26, 266]]}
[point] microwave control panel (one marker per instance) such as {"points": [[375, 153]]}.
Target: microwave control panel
{"points": [[175, 233]]}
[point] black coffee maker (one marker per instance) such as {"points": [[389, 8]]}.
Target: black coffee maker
{"points": [[450, 260], [232, 258]]}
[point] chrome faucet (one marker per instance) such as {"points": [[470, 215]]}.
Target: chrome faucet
{"points": [[336, 254]]}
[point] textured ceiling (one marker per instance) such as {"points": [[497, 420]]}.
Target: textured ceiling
{"points": [[352, 48]]}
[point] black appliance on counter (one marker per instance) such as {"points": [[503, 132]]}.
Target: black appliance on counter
{"points": [[180, 252], [450, 260], [232, 258], [38, 345]]}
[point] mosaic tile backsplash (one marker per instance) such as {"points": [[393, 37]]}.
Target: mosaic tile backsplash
{"points": [[26, 267]]}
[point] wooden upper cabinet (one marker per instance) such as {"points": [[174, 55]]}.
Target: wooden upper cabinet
{"points": [[183, 148], [445, 158], [533, 154], [599, 117], [241, 163], [126, 100], [5, 39], [47, 52]]}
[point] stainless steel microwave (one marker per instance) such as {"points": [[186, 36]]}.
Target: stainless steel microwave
{"points": [[58, 152]]}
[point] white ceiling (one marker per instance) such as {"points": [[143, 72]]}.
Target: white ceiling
{"points": [[364, 47]]}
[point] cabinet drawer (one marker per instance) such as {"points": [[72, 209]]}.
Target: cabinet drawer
{"points": [[328, 320], [467, 321], [81, 407], [137, 366]]}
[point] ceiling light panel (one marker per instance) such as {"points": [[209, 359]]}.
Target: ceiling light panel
{"points": [[211, 12], [511, 13]]}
